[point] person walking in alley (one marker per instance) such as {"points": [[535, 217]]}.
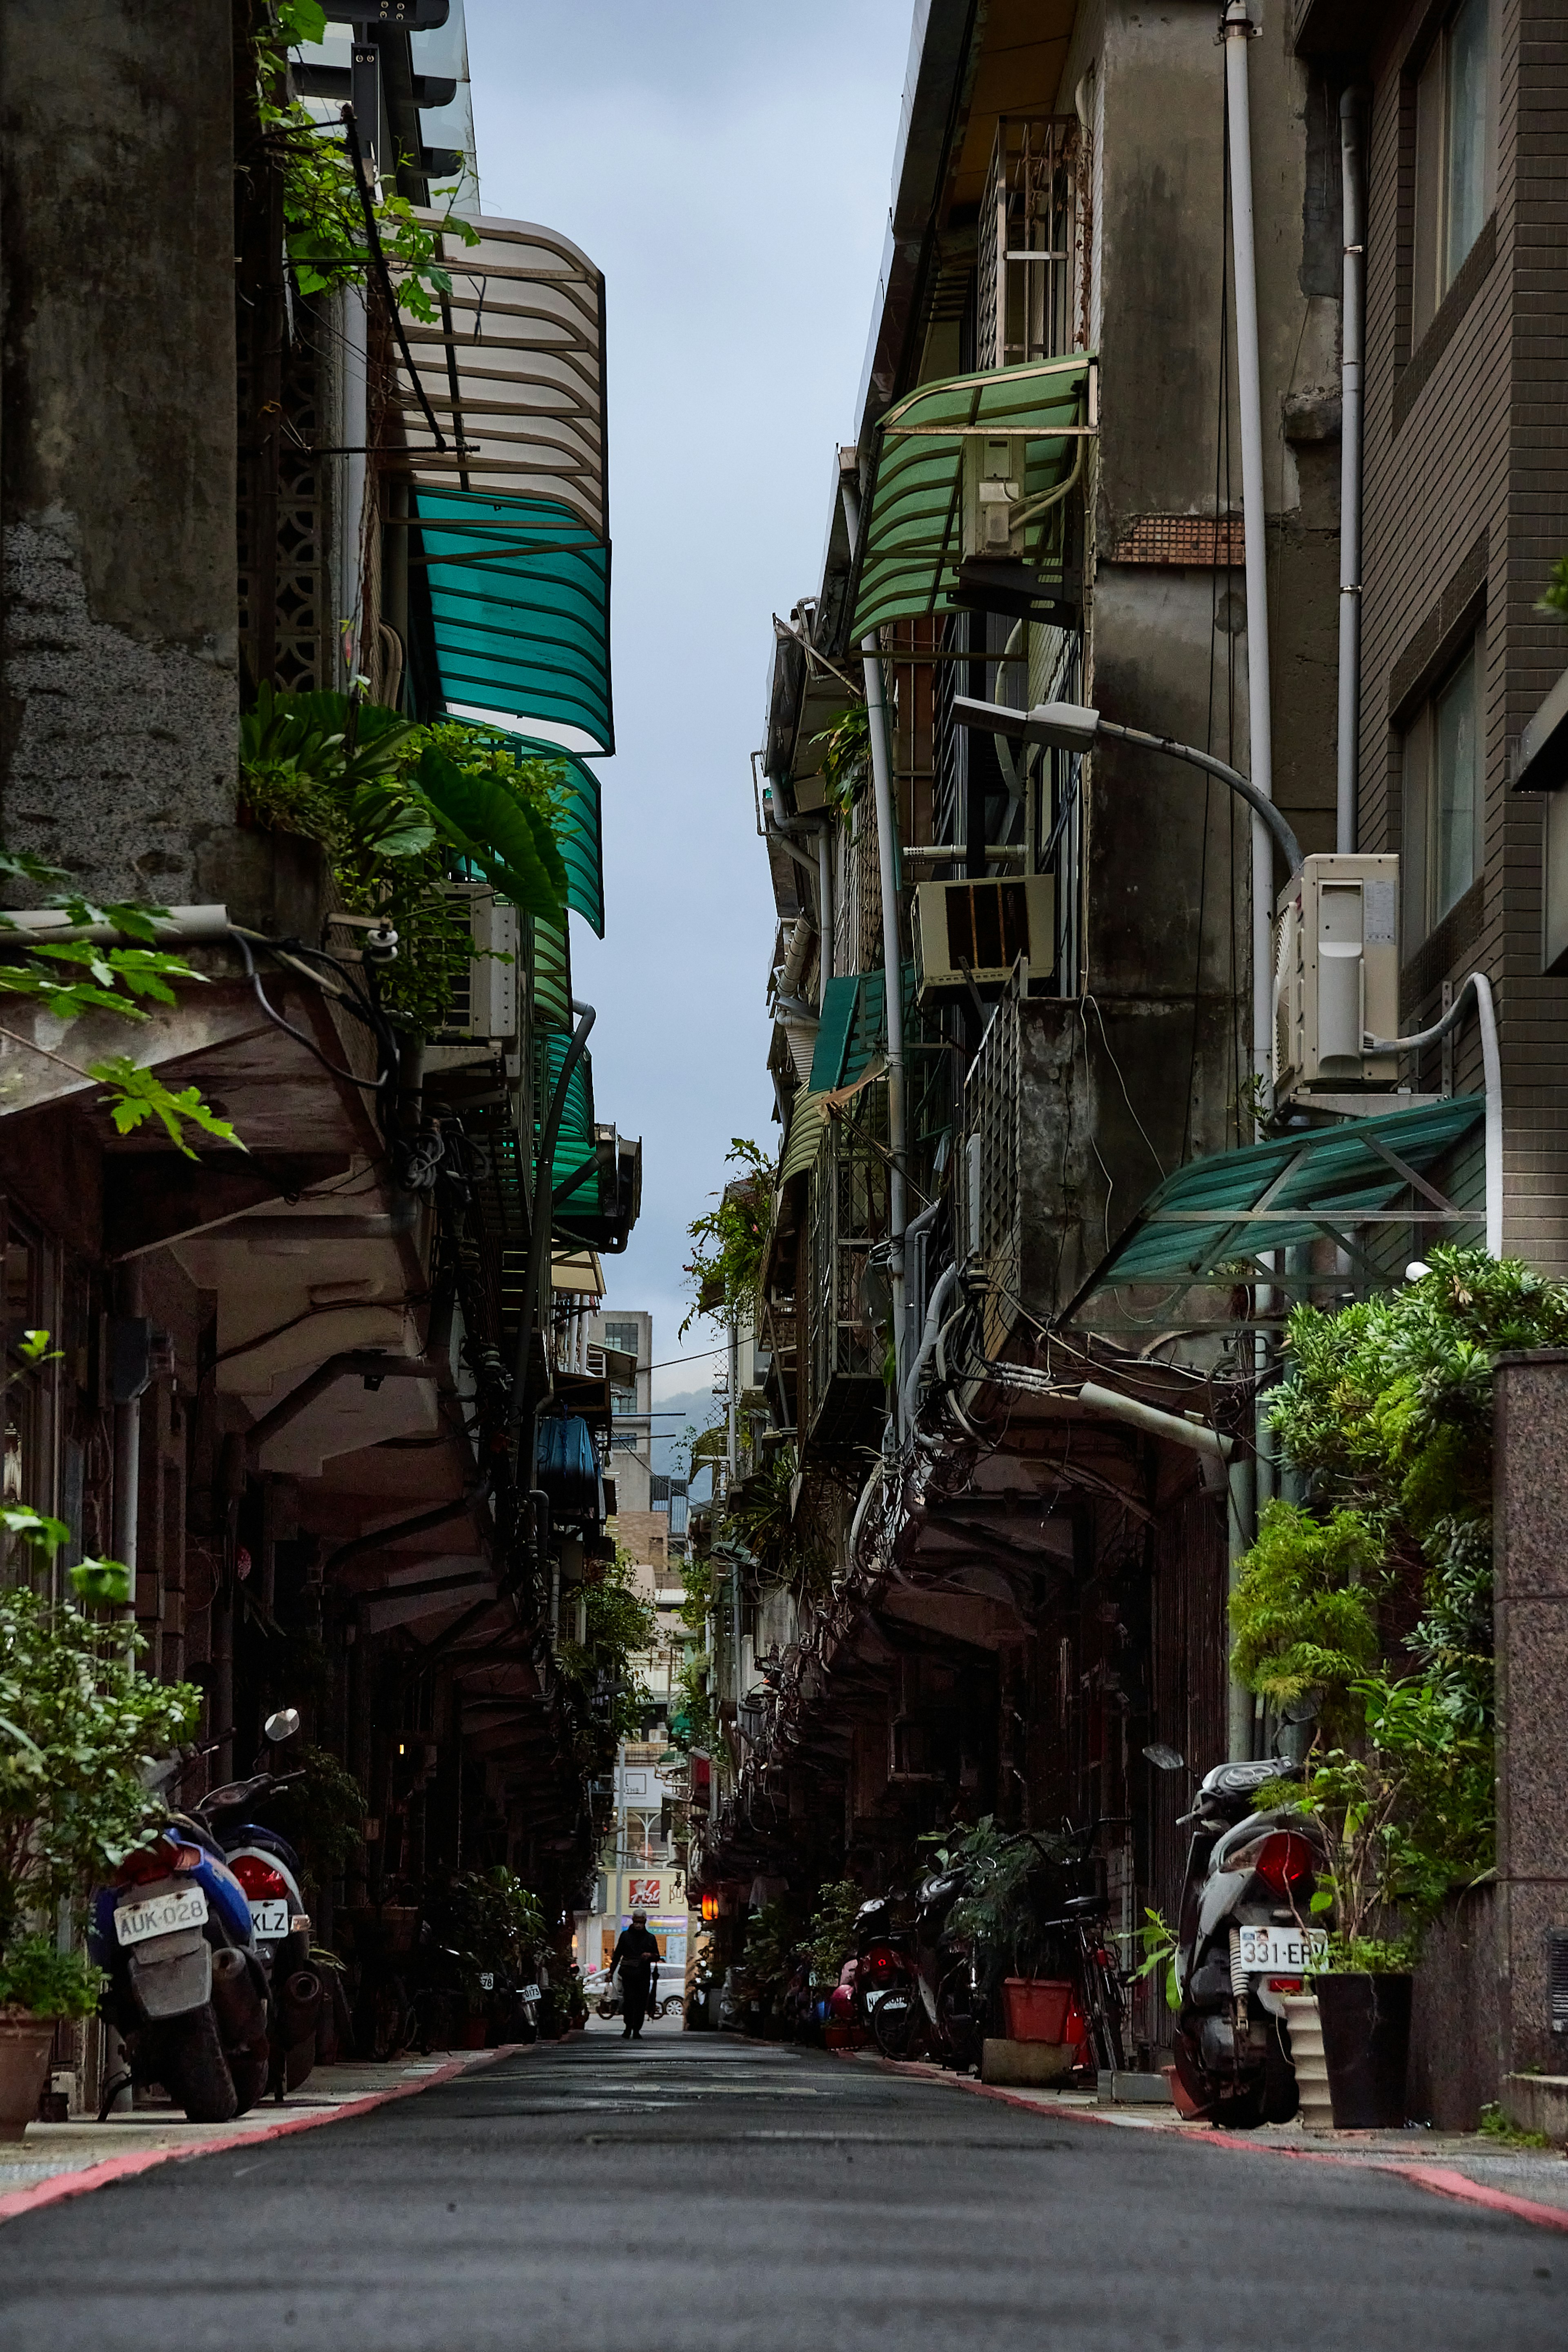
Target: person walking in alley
{"points": [[636, 1957]]}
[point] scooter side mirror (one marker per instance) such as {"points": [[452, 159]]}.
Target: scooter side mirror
{"points": [[1164, 1758], [281, 1726]]}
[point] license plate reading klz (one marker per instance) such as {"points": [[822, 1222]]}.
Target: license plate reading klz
{"points": [[270, 1918], [1290, 1952], [161, 1914]]}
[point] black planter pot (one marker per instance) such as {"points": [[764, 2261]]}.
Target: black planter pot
{"points": [[1366, 2047]]}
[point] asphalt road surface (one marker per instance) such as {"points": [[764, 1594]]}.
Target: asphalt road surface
{"points": [[701, 2194]]}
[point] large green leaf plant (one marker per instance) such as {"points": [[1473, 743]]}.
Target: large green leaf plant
{"points": [[1388, 1417], [402, 809], [79, 1726]]}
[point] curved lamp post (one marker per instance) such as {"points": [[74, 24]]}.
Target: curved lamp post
{"points": [[1072, 727]]}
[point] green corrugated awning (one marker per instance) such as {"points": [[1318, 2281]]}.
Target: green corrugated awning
{"points": [[912, 542], [808, 1117], [519, 590], [1323, 1181], [582, 838], [551, 977], [575, 1181], [854, 1026]]}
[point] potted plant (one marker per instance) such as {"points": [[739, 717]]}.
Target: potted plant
{"points": [[39, 1985], [1405, 1817], [78, 1728]]}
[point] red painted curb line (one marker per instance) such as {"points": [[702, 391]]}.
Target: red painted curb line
{"points": [[1438, 2180], [61, 2185]]}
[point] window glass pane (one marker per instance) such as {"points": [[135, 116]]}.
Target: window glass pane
{"points": [[1456, 778], [1464, 190]]}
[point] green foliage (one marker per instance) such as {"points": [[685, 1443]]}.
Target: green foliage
{"points": [[693, 1721], [1000, 1907], [1304, 1614], [322, 1813], [323, 217], [76, 1725], [1388, 1412], [72, 977], [830, 1931], [35, 1975], [1158, 1947], [622, 1626], [760, 1514], [726, 1266], [490, 1920], [1556, 602], [101, 1583], [400, 809], [136, 1094], [773, 1948], [1407, 1816], [1493, 2124], [846, 761]]}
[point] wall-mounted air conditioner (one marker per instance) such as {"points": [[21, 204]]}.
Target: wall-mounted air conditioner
{"points": [[992, 487], [1336, 975], [975, 931], [484, 1004]]}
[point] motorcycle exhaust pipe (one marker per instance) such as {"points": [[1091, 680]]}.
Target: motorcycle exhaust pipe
{"points": [[240, 2009], [300, 2005]]}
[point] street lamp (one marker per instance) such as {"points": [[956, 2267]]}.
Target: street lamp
{"points": [[1071, 727]]}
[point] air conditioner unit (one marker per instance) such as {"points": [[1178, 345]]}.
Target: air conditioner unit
{"points": [[985, 926], [484, 1002], [992, 487], [1336, 975]]}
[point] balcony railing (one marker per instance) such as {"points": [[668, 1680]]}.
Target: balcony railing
{"points": [[1035, 242]]}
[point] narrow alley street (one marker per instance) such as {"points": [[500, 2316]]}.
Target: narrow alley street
{"points": [[700, 2189]]}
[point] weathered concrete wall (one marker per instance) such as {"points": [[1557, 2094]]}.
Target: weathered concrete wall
{"points": [[1454, 2022], [1529, 1512], [117, 726]]}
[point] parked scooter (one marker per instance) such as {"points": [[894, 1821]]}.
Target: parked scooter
{"points": [[940, 2006], [268, 1868], [1244, 1942], [187, 1990]]}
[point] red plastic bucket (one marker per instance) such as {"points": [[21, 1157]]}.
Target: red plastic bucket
{"points": [[1036, 2009]]}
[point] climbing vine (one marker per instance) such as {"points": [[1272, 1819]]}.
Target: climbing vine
{"points": [[726, 1264], [323, 214]]}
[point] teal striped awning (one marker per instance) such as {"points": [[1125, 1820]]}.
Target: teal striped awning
{"points": [[853, 1029], [1321, 1181], [581, 838], [575, 1183], [520, 593]]}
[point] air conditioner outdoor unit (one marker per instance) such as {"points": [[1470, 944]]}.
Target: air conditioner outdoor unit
{"points": [[1336, 975], [484, 1002], [985, 926], [992, 487]]}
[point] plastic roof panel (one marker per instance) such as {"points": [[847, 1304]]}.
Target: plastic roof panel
{"points": [[519, 592], [911, 545], [1279, 1195]]}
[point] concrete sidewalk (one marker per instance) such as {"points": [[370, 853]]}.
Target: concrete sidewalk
{"points": [[54, 2153], [1438, 2160]]}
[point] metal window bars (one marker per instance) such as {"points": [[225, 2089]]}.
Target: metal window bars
{"points": [[992, 1203], [1035, 242]]}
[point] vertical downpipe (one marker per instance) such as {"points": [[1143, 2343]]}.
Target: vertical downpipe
{"points": [[1352, 130], [1238, 32], [892, 972]]}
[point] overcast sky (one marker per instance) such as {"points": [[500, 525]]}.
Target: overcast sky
{"points": [[727, 164]]}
